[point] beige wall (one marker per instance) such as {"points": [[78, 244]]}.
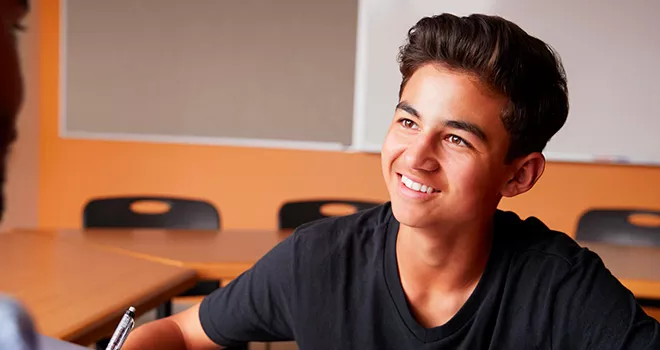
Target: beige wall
{"points": [[22, 179]]}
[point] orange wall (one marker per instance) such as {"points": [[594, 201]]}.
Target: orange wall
{"points": [[249, 184]]}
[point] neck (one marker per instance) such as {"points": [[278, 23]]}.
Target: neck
{"points": [[444, 259]]}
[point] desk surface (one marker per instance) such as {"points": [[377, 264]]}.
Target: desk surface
{"points": [[213, 254], [77, 292], [226, 254]]}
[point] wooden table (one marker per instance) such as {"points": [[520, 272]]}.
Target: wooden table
{"points": [[638, 268], [226, 254], [222, 255], [76, 292]]}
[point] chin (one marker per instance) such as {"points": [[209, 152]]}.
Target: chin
{"points": [[410, 216]]}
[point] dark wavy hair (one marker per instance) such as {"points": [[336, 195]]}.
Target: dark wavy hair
{"points": [[503, 56]]}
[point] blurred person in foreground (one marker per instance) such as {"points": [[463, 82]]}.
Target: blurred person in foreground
{"points": [[16, 327]]}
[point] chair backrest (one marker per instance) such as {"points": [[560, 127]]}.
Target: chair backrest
{"points": [[615, 226], [180, 213], [295, 213]]}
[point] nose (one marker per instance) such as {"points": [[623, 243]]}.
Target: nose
{"points": [[421, 154]]}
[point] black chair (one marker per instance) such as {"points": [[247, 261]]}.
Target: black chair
{"points": [[180, 213], [295, 213], [615, 226], [117, 212], [618, 227]]}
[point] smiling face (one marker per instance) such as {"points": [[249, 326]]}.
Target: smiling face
{"points": [[446, 134]]}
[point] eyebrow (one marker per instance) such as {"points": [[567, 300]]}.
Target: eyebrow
{"points": [[469, 127], [454, 124], [404, 106]]}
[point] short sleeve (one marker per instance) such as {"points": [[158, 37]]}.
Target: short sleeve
{"points": [[256, 306], [593, 310]]}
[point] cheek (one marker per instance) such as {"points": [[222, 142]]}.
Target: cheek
{"points": [[469, 178], [393, 146]]}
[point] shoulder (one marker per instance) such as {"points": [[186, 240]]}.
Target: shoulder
{"points": [[333, 233], [590, 306], [530, 240], [360, 223]]}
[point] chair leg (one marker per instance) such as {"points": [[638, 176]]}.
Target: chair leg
{"points": [[164, 310]]}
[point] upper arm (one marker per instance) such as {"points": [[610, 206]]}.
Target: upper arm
{"points": [[257, 305], [193, 334], [593, 310]]}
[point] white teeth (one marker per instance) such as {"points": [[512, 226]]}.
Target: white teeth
{"points": [[416, 185]]}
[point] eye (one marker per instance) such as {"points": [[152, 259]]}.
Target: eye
{"points": [[457, 141], [408, 124]]}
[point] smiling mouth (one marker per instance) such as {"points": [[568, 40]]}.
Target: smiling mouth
{"points": [[416, 186]]}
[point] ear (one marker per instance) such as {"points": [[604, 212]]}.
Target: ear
{"points": [[527, 170]]}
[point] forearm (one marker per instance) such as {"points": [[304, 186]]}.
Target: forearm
{"points": [[162, 334]]}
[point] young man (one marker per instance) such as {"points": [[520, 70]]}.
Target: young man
{"points": [[16, 328], [438, 267]]}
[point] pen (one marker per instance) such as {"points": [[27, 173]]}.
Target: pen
{"points": [[121, 333]]}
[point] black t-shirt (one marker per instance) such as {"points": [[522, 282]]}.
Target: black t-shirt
{"points": [[334, 284]]}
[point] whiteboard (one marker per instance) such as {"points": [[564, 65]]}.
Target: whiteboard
{"points": [[610, 50], [242, 73]]}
